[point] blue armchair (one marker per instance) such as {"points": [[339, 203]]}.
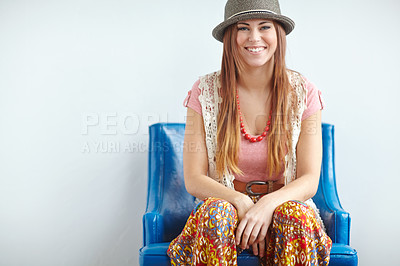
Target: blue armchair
{"points": [[169, 205]]}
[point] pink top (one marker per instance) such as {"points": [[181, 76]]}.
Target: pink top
{"points": [[253, 156]]}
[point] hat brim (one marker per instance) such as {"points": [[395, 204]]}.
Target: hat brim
{"points": [[287, 23]]}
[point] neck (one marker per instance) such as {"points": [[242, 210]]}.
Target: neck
{"points": [[257, 79]]}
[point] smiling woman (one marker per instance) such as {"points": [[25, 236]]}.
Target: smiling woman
{"points": [[257, 41], [258, 129]]}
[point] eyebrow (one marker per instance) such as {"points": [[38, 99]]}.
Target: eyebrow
{"points": [[261, 23]]}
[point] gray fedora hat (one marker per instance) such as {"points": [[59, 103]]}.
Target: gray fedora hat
{"points": [[238, 10]]}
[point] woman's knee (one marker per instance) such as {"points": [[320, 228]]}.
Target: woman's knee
{"points": [[219, 213], [220, 207], [291, 209]]}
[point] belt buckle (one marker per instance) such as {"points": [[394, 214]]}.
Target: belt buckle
{"points": [[251, 193]]}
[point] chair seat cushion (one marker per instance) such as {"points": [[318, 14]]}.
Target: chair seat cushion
{"points": [[156, 254], [342, 254]]}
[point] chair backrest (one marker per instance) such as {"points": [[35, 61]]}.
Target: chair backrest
{"points": [[166, 188]]}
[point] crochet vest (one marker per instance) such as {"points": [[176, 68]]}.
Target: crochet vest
{"points": [[209, 99]]}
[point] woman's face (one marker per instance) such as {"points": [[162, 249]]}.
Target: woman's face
{"points": [[257, 41]]}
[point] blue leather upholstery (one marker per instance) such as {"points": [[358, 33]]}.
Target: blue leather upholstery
{"points": [[169, 205]]}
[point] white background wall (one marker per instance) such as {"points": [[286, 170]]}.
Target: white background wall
{"points": [[81, 80]]}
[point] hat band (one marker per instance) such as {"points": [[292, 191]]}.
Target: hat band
{"points": [[252, 11]]}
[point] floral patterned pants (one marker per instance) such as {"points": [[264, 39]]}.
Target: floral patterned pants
{"points": [[208, 238]]}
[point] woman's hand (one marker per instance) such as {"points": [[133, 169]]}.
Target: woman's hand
{"points": [[242, 205], [259, 248], [253, 227]]}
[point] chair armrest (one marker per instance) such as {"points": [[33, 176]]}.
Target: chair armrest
{"points": [[337, 222], [153, 228], [336, 219]]}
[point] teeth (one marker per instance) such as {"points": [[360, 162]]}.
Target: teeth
{"points": [[255, 49]]}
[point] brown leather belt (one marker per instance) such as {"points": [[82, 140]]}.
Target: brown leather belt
{"points": [[256, 188]]}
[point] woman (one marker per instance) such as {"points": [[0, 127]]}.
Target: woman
{"points": [[253, 150]]}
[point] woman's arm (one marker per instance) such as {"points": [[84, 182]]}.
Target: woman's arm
{"points": [[195, 167], [253, 227], [309, 158]]}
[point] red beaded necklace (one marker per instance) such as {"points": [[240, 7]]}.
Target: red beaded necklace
{"points": [[243, 130]]}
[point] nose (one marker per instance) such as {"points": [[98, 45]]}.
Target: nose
{"points": [[254, 36]]}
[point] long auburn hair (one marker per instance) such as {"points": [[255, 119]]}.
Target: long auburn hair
{"points": [[282, 99]]}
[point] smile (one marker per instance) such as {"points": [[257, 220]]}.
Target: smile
{"points": [[255, 49]]}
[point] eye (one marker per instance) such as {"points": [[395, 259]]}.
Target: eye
{"points": [[242, 28], [265, 27]]}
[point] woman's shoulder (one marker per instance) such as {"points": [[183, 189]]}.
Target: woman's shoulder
{"points": [[209, 82], [307, 90], [296, 78], [211, 77], [298, 83]]}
